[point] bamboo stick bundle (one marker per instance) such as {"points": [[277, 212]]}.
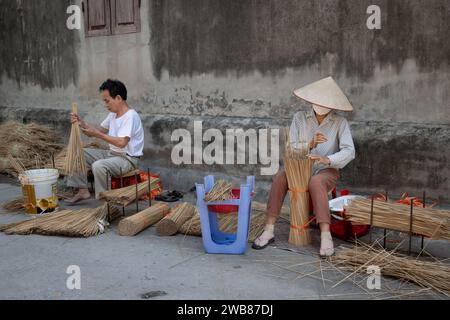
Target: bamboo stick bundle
{"points": [[227, 223], [75, 162], [131, 226], [80, 223], [172, 222], [298, 171], [127, 195], [192, 226], [220, 192], [60, 158], [427, 274], [428, 222]]}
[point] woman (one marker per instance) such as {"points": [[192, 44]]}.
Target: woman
{"points": [[331, 146]]}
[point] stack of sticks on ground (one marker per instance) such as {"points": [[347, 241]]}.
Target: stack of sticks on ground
{"points": [[168, 221], [298, 171], [131, 226], [221, 191], [426, 274], [127, 195], [172, 222], [228, 222], [30, 144], [79, 223], [428, 222]]}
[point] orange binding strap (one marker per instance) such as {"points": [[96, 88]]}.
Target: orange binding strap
{"points": [[295, 192], [305, 226]]}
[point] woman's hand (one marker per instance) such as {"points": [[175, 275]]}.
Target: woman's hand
{"points": [[318, 139], [320, 159]]}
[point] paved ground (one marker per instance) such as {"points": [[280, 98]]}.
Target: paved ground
{"points": [[115, 267]]}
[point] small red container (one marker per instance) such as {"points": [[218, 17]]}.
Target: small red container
{"points": [[228, 208]]}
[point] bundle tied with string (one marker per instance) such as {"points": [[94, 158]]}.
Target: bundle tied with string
{"points": [[298, 169]]}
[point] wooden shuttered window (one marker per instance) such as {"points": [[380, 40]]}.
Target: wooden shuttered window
{"points": [[125, 16], [110, 17]]}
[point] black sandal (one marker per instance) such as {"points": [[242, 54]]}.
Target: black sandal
{"points": [[256, 247], [170, 196]]}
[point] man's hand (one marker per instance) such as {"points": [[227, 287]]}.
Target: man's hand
{"points": [[75, 118], [90, 131], [320, 159], [318, 139]]}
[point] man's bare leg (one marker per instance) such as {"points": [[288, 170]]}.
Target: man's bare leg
{"points": [[83, 194]]}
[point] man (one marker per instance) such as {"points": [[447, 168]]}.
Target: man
{"points": [[331, 146], [122, 129]]}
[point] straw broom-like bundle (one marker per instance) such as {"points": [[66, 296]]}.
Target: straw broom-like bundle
{"points": [[127, 195], [131, 226], [172, 222], [69, 223], [220, 192], [60, 158], [428, 222], [427, 274], [75, 162], [298, 171]]}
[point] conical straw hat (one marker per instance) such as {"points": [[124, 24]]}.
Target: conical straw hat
{"points": [[325, 93]]}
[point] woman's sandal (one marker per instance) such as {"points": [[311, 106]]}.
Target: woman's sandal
{"points": [[258, 247]]}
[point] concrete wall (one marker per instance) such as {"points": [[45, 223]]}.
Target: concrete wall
{"points": [[235, 63]]}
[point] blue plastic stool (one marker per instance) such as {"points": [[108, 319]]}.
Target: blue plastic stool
{"points": [[215, 241]]}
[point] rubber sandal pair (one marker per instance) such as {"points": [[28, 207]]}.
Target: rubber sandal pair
{"points": [[170, 196]]}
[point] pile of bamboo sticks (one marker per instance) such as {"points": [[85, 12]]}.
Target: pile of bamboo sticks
{"points": [[298, 171], [428, 222], [220, 192], [27, 143], [426, 274], [172, 222], [131, 226], [127, 195], [69, 223], [75, 162]]}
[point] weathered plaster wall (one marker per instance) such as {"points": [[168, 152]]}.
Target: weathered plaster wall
{"points": [[235, 64]]}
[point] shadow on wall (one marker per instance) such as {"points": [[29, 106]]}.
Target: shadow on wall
{"points": [[217, 36]]}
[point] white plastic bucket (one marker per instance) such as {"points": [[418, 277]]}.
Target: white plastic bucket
{"points": [[39, 190]]}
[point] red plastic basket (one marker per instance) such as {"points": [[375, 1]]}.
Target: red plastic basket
{"points": [[227, 208]]}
